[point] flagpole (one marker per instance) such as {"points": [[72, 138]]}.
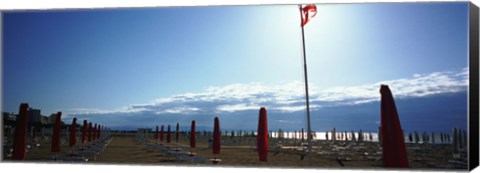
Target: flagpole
{"points": [[309, 130]]}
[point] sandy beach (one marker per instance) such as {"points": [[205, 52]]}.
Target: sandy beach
{"points": [[129, 148]]}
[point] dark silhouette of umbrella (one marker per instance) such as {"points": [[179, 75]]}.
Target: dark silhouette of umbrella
{"points": [[176, 132], [99, 131], [90, 132], [161, 134], [303, 135], [216, 137], [193, 139], [20, 141], [394, 150], [56, 133], [156, 134], [168, 134], [73, 133], [84, 131], [94, 137], [262, 135]]}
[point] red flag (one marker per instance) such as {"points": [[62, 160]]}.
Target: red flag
{"points": [[216, 136], [394, 150], [193, 139], [308, 12], [56, 133], [84, 131], [20, 141], [73, 132], [262, 135]]}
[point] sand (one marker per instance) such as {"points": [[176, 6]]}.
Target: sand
{"points": [[125, 148]]}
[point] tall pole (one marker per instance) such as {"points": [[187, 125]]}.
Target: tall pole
{"points": [[309, 130]]}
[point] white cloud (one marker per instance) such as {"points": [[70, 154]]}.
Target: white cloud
{"points": [[290, 97]]}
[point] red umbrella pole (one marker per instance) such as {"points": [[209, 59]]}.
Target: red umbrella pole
{"points": [[73, 133], [216, 137], [394, 150], [262, 135], [56, 133], [193, 140], [20, 141]]}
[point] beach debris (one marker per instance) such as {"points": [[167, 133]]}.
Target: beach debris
{"points": [[19, 143], [262, 135], [394, 149], [56, 133]]}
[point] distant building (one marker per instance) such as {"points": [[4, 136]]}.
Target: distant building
{"points": [[10, 116], [34, 116], [45, 120], [52, 118]]}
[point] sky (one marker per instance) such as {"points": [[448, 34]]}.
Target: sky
{"points": [[139, 67]]}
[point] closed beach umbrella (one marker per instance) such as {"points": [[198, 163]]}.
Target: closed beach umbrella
{"points": [[394, 150], [433, 138], [56, 133], [90, 132], [73, 132], [262, 135], [417, 138], [334, 135], [168, 134], [161, 133], [99, 131], [84, 131], [455, 140], [303, 135], [20, 141], [353, 136], [176, 132], [216, 137], [193, 140], [94, 137], [326, 135], [156, 134]]}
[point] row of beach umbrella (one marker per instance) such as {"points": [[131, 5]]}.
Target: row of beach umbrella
{"points": [[89, 133]]}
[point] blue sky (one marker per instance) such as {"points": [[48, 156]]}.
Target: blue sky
{"points": [[165, 65]]}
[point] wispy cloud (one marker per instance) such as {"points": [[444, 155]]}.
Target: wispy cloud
{"points": [[290, 97]]}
